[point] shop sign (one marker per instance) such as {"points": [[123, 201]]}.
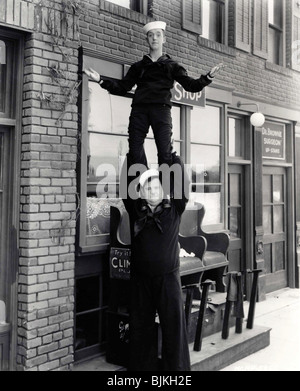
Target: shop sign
{"points": [[273, 139], [180, 95], [119, 263]]}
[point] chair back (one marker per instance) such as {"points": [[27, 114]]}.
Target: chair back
{"points": [[191, 220], [119, 228]]}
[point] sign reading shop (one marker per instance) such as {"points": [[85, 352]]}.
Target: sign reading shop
{"points": [[273, 139], [180, 95]]}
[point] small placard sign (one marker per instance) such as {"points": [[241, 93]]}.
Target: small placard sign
{"points": [[119, 263], [273, 138]]}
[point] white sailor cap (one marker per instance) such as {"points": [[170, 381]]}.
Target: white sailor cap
{"points": [[148, 174], [154, 25]]}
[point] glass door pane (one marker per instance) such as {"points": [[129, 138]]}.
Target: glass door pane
{"points": [[275, 220], [236, 220]]}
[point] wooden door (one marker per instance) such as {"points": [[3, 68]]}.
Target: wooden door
{"points": [[275, 227]]}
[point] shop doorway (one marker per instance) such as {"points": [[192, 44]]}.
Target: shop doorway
{"points": [[275, 227], [239, 196]]}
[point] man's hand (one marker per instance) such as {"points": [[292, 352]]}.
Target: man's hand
{"points": [[92, 74], [215, 70]]}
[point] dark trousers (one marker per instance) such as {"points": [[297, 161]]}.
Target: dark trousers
{"points": [[161, 294], [159, 118]]}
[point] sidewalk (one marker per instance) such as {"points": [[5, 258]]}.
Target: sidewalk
{"points": [[280, 312]]}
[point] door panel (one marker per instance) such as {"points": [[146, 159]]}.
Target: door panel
{"points": [[275, 227], [236, 222]]}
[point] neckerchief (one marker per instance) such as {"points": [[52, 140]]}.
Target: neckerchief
{"points": [[148, 218]]}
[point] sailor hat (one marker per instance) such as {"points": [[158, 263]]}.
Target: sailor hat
{"points": [[148, 174], [154, 25]]}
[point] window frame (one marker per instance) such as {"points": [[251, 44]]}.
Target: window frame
{"points": [[222, 145], [223, 29], [278, 30], [83, 246], [140, 6], [197, 28], [110, 67]]}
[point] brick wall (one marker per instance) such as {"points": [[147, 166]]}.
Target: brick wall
{"points": [[48, 193], [50, 136], [109, 29]]}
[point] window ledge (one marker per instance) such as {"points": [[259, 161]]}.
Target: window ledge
{"points": [[219, 47], [278, 69], [123, 12]]}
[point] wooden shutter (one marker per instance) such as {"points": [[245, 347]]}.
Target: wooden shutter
{"points": [[243, 25], [191, 15], [296, 36], [261, 28]]}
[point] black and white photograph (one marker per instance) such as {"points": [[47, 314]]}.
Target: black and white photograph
{"points": [[149, 188]]}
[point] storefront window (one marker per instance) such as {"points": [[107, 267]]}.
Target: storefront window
{"points": [[106, 149], [206, 149]]}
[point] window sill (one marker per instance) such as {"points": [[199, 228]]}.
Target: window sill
{"points": [[91, 250], [278, 69], [218, 47], [123, 12]]}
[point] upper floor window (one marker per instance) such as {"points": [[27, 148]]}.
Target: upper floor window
{"points": [[214, 20], [134, 5], [276, 31], [206, 18]]}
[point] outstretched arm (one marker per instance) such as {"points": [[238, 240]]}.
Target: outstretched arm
{"points": [[115, 87], [195, 85]]}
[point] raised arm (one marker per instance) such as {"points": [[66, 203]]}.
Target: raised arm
{"points": [[180, 184], [129, 179]]}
